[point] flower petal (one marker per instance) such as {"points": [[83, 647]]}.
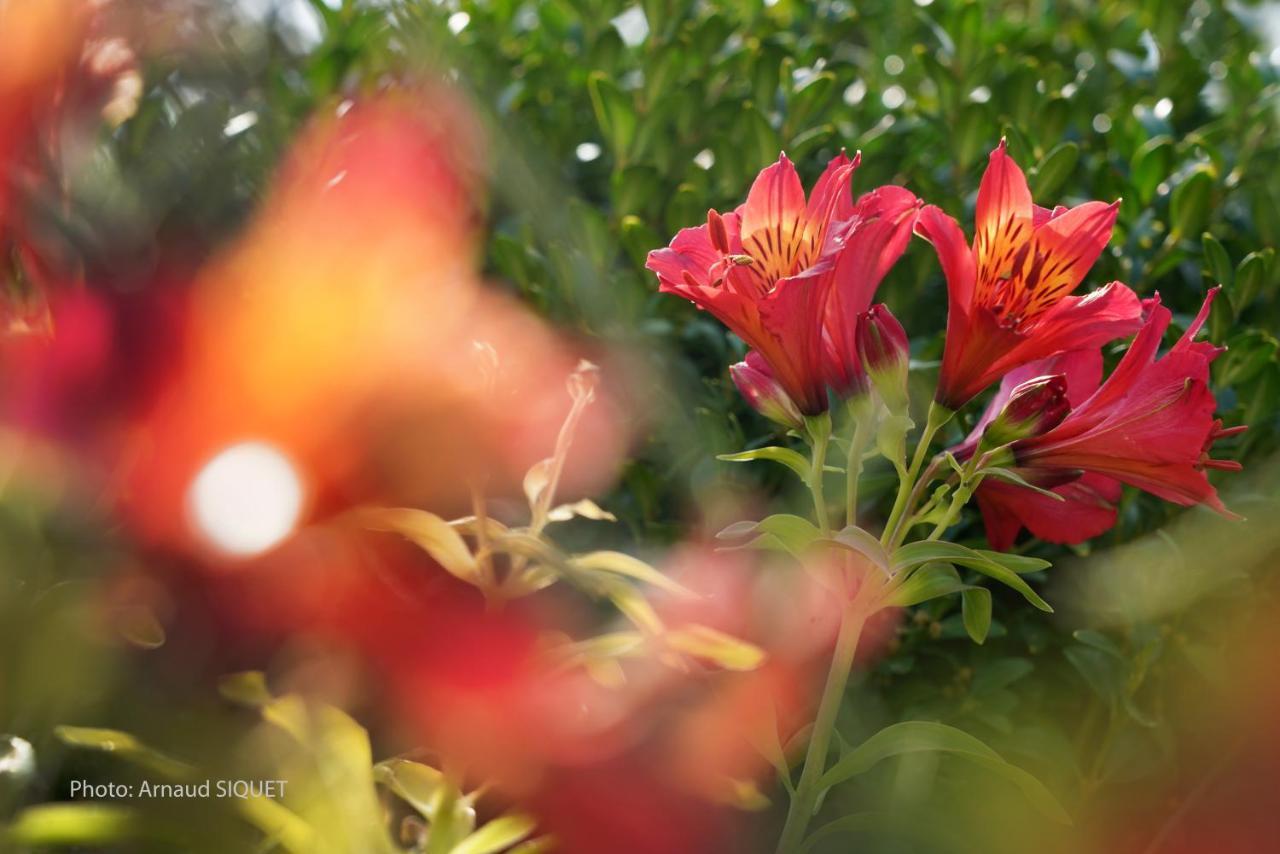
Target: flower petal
{"points": [[1062, 252], [773, 219], [1088, 509], [1002, 221], [953, 254]]}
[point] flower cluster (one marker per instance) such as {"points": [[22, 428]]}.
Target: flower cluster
{"points": [[796, 280]]}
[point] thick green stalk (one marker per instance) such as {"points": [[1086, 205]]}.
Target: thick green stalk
{"points": [[938, 416], [805, 799]]}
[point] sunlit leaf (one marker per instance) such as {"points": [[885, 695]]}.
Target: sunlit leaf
{"points": [[715, 646], [618, 563], [248, 688], [496, 835], [428, 531], [75, 824], [536, 480], [586, 508], [419, 785], [126, 746]]}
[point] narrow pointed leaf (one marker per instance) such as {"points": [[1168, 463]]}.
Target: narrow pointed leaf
{"points": [[914, 554], [618, 563], [787, 457], [433, 534]]}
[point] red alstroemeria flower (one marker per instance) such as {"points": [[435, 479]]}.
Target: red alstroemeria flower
{"points": [[767, 269], [1087, 508], [879, 233], [1149, 425], [1010, 295]]}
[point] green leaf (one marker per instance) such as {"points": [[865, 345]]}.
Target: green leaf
{"points": [[1100, 670], [794, 533], [1054, 169], [1150, 165], [1011, 476], [787, 457], [418, 785], [496, 835], [865, 543], [618, 563], [638, 239], [808, 100], [631, 603], [431, 533], [928, 582], [997, 675], [586, 508], [914, 554], [1098, 640], [74, 824], [1020, 564], [1217, 261], [925, 736], [1191, 203], [541, 845], [976, 608], [860, 822], [248, 688], [614, 113], [126, 746], [716, 646], [1250, 277]]}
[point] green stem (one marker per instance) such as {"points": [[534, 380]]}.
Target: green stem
{"points": [[853, 470], [819, 434], [805, 799], [969, 481], [937, 417]]}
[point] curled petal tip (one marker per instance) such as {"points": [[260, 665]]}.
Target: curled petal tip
{"points": [[857, 157]]}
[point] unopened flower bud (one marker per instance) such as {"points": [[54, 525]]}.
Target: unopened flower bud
{"points": [[884, 352], [1034, 407], [754, 379]]}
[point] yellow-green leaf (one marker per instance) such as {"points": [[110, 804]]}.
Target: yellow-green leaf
{"points": [[714, 645], [499, 834], [433, 534], [618, 563]]}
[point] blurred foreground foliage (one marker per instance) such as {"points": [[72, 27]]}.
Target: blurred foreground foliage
{"points": [[614, 125]]}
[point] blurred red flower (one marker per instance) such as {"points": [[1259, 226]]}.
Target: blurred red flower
{"points": [[65, 71], [348, 332]]}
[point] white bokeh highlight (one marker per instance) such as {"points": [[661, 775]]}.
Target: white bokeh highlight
{"points": [[246, 499]]}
